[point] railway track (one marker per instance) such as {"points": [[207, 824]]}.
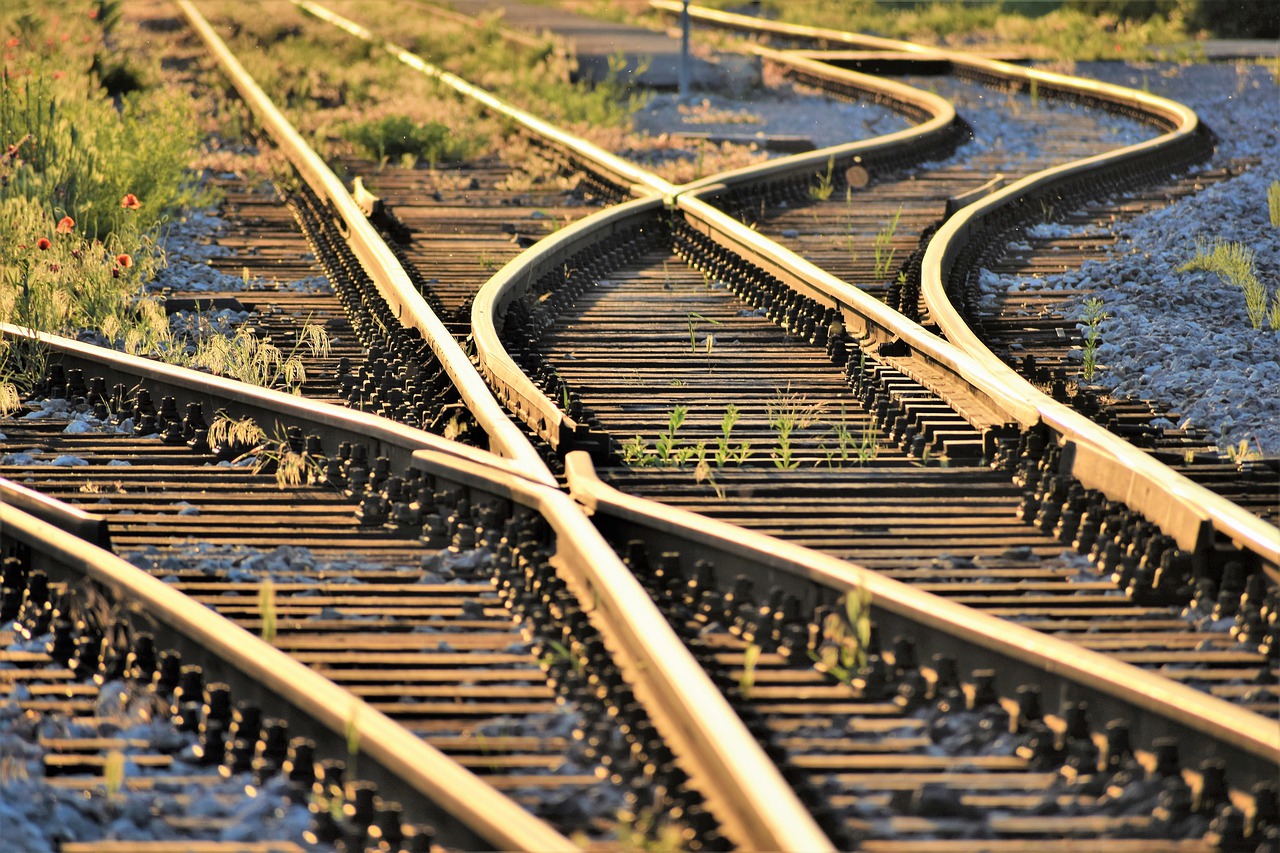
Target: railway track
{"points": [[534, 767], [417, 603], [828, 744]]}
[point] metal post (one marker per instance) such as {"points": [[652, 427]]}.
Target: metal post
{"points": [[684, 51]]}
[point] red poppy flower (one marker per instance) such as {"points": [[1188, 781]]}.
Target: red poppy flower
{"points": [[43, 243], [130, 202], [124, 260], [65, 224], [54, 267], [13, 42]]}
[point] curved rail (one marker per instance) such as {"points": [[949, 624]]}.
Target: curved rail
{"points": [[553, 252], [1158, 706], [743, 788], [405, 766], [939, 128], [638, 181], [376, 257], [1097, 458]]}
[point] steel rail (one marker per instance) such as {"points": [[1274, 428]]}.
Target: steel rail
{"points": [[1168, 113], [1157, 706], [1096, 457], [377, 258], [938, 125], [509, 382], [1180, 508], [640, 182], [403, 765], [1099, 459], [743, 788], [93, 529], [267, 407]]}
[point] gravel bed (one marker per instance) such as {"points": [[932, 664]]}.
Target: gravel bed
{"points": [[781, 109], [37, 817], [1185, 338]]}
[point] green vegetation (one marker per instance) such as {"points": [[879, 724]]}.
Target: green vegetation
{"points": [[1067, 29], [847, 448], [786, 413], [846, 636], [747, 681], [883, 251], [267, 610], [694, 318], [399, 138], [821, 191], [1273, 203], [92, 163], [248, 358], [1094, 315], [1234, 263], [113, 774], [726, 451]]}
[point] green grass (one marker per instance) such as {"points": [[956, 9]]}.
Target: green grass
{"points": [[1043, 27], [1094, 315], [93, 158], [1234, 264]]}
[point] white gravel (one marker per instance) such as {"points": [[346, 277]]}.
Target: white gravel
{"points": [[1185, 337]]}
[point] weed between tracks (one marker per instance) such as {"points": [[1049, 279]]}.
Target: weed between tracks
{"points": [[839, 445], [1234, 264], [1094, 315]]}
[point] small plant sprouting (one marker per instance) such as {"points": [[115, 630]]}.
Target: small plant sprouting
{"points": [[244, 432], [1242, 452], [667, 446], [1093, 317], [352, 732], [787, 413], [10, 399], [884, 253], [267, 610], [726, 451], [821, 191], [747, 681], [113, 774], [847, 446], [694, 318], [1273, 203], [290, 467], [845, 637], [635, 452], [560, 653], [1234, 263]]}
